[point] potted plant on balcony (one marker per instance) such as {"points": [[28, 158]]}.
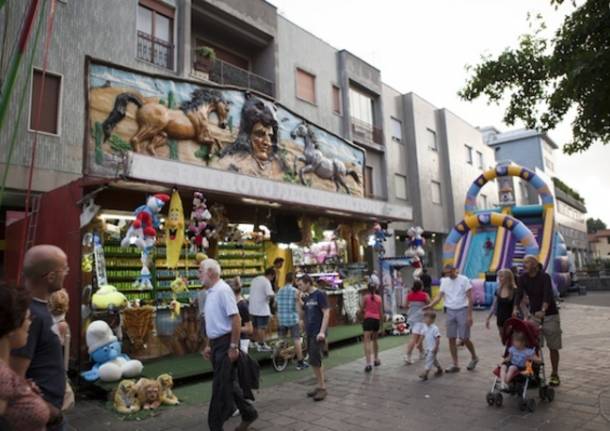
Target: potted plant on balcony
{"points": [[205, 58]]}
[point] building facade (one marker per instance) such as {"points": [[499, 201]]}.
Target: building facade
{"points": [[600, 244]]}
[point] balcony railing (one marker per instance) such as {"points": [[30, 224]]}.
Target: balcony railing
{"points": [[155, 50], [366, 133], [227, 74]]}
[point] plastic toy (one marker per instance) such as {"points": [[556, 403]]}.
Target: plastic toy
{"points": [[399, 325], [110, 364], [174, 230], [125, 397], [167, 397], [108, 297]]}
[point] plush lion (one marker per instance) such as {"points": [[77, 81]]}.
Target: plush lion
{"points": [[125, 397], [166, 384], [149, 393]]}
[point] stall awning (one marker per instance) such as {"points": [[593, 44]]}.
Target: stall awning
{"points": [[141, 167]]}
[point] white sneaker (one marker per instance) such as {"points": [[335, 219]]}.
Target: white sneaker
{"points": [[263, 347], [408, 360]]}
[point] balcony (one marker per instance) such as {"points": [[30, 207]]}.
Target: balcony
{"points": [[155, 51], [227, 74], [365, 133]]}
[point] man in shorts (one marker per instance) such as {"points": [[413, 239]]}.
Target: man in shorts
{"points": [[288, 317], [536, 285], [316, 314], [456, 291], [261, 292]]}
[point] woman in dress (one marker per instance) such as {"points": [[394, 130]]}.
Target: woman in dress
{"points": [[504, 299]]}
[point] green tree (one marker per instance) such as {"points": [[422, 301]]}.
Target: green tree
{"points": [[545, 78], [595, 224]]}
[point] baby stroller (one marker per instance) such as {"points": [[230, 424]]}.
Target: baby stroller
{"points": [[532, 376]]}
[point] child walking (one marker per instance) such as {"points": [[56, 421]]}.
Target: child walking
{"points": [[417, 299], [432, 339], [371, 326]]}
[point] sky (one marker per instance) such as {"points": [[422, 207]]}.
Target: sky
{"points": [[424, 45]]}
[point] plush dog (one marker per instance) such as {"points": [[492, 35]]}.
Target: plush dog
{"points": [[166, 383], [149, 393], [125, 397]]}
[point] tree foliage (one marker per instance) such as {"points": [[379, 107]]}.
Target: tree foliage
{"points": [[545, 78], [595, 224]]}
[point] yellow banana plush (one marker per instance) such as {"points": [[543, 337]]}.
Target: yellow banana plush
{"points": [[174, 230]]}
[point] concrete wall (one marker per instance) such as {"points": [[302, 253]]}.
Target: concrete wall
{"points": [[457, 134], [298, 48], [424, 164], [78, 31], [376, 160], [259, 13], [526, 152]]}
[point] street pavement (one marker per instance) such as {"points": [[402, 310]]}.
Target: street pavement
{"points": [[393, 398]]}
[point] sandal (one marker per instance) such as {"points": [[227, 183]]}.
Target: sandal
{"points": [[554, 380], [423, 377], [439, 372], [452, 369], [377, 362]]}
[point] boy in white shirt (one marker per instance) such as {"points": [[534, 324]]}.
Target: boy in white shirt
{"points": [[432, 338]]}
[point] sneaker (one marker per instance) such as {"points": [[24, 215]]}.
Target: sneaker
{"points": [[377, 362], [320, 395], [554, 380], [439, 372], [423, 377], [408, 360], [452, 369], [263, 347], [473, 364], [313, 392], [368, 369], [244, 425], [301, 365]]}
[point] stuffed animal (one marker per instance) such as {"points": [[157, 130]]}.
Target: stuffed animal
{"points": [[416, 242], [110, 364], [126, 397], [380, 235], [144, 227], [166, 383], [198, 224], [149, 393], [108, 297], [399, 325], [174, 230]]}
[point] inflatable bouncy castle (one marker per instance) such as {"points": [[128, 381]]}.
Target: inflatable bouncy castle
{"points": [[488, 240]]}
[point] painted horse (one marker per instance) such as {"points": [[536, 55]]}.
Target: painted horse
{"points": [[316, 162], [157, 123]]}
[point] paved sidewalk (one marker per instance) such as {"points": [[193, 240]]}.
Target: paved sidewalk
{"points": [[392, 398]]}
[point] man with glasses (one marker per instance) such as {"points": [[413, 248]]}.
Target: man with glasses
{"points": [[41, 359]]}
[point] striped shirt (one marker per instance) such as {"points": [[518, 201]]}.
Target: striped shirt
{"points": [[286, 300]]}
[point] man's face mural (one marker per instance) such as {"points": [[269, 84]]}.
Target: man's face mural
{"points": [[260, 139]]}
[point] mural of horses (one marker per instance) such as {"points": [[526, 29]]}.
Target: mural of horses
{"points": [[316, 162], [157, 123]]}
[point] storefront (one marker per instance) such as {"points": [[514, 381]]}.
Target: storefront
{"points": [[273, 185]]}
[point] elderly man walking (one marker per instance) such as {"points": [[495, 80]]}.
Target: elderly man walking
{"points": [[536, 284], [456, 291], [41, 359], [223, 327]]}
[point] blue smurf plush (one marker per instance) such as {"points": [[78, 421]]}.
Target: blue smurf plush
{"points": [[110, 364]]}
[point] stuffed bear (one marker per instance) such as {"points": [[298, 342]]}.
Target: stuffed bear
{"points": [[399, 325], [198, 224], [125, 397], [149, 393], [110, 364]]}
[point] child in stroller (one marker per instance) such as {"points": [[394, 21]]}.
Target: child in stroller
{"points": [[522, 367]]}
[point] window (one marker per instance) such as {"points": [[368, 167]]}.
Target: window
{"points": [[396, 126], [549, 164], [306, 86], [361, 106], [468, 154], [480, 160], [436, 192], [368, 182], [336, 99], [431, 139], [155, 33], [48, 122], [400, 186]]}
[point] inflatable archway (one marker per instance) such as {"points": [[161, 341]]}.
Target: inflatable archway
{"points": [[548, 201], [510, 170], [472, 221]]}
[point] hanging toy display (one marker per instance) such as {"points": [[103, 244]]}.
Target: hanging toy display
{"points": [[198, 224], [174, 230], [143, 233], [380, 235], [415, 249]]}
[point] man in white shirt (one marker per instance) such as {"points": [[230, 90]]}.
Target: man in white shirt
{"points": [[456, 291], [261, 291], [223, 327]]}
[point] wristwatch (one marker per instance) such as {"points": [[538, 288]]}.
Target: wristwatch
{"points": [[233, 346]]}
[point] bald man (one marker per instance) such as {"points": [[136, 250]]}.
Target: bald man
{"points": [[41, 359], [537, 285]]}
